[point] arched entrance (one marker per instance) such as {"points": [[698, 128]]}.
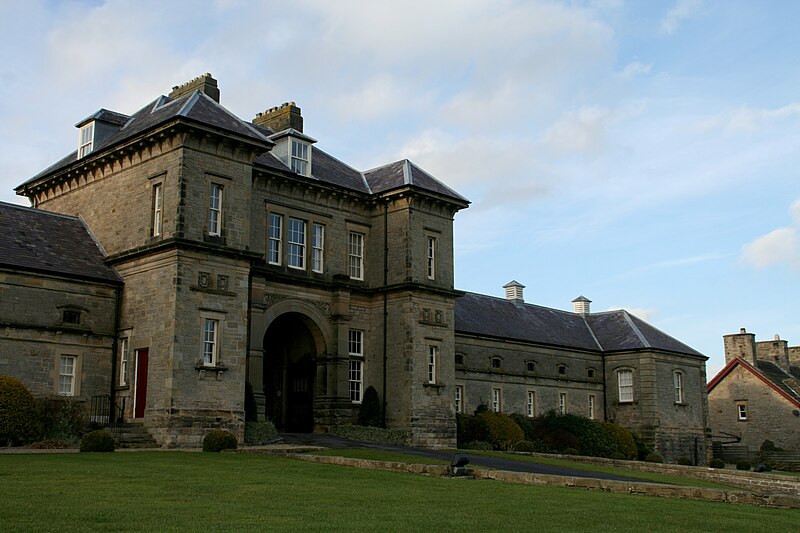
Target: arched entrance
{"points": [[290, 368]]}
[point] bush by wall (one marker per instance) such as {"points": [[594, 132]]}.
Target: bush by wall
{"points": [[259, 433], [743, 465], [716, 463], [63, 419], [392, 437], [471, 429], [685, 461], [477, 445], [654, 458], [218, 439], [369, 414], [504, 433], [97, 441], [19, 416], [624, 443]]}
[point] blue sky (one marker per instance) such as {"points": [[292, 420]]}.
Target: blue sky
{"points": [[643, 154]]}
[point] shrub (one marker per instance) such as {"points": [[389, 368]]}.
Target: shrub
{"points": [[625, 444], [618, 455], [525, 424], [63, 419], [716, 463], [743, 465], [471, 428], [391, 437], [685, 461], [525, 446], [642, 450], [653, 458], [370, 412], [218, 440], [571, 451], [19, 416], [97, 441], [503, 431], [477, 445], [559, 432], [260, 433]]}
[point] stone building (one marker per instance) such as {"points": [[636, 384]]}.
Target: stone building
{"points": [[57, 304], [756, 396], [253, 260]]}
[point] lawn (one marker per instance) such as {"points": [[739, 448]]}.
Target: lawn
{"points": [[180, 491]]}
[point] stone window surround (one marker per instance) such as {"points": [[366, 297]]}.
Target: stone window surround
{"points": [[458, 399], [625, 391], [75, 389], [284, 212], [216, 366], [678, 380], [497, 399]]}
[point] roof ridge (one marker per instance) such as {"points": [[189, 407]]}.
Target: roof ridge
{"points": [[189, 104], [40, 211], [591, 332], [524, 304], [635, 329], [408, 178]]}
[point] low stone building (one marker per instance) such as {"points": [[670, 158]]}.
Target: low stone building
{"points": [[58, 303], [756, 396], [262, 274]]}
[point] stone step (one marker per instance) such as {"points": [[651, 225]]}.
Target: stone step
{"points": [[134, 435]]}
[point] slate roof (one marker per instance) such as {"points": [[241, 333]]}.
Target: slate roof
{"points": [[404, 173], [200, 108], [770, 374], [40, 241], [193, 107], [609, 331]]}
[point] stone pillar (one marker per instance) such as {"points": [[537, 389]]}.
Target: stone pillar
{"points": [[255, 376], [741, 345]]}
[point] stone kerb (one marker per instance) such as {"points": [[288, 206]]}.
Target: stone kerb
{"points": [[622, 487], [760, 482]]}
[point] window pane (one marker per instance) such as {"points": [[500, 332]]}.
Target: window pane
{"points": [[274, 253], [355, 379], [356, 255], [210, 342], [296, 244], [215, 209], [317, 242]]}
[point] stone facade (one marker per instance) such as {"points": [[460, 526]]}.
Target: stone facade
{"points": [[756, 397], [265, 278]]}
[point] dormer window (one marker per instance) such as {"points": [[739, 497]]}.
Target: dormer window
{"points": [[86, 140], [299, 157]]}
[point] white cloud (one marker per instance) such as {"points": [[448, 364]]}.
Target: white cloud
{"points": [[634, 69], [639, 312], [778, 246], [683, 10], [748, 119]]}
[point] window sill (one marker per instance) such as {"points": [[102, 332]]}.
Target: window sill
{"points": [[211, 370], [433, 385]]}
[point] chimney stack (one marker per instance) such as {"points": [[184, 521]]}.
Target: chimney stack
{"points": [[741, 345], [206, 84], [775, 351], [514, 291], [281, 118], [580, 305]]}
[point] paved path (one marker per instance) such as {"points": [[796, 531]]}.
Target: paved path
{"points": [[327, 440]]}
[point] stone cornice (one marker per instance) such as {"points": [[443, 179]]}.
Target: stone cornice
{"points": [[182, 244]]}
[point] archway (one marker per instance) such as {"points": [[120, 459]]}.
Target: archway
{"points": [[290, 368]]}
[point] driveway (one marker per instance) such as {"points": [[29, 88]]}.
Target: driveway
{"points": [[327, 440]]}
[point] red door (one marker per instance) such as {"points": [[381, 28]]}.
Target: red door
{"points": [[140, 397]]}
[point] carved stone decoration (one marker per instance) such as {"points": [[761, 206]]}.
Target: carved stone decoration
{"points": [[203, 279], [324, 307], [222, 282], [272, 299]]}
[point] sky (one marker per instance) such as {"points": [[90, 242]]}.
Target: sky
{"points": [[642, 154]]}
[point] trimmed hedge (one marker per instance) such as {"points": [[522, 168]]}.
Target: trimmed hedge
{"points": [[97, 441], [654, 458], [393, 437], [623, 440], [716, 463], [369, 414], [19, 415], [257, 433], [504, 433], [743, 465], [218, 440]]}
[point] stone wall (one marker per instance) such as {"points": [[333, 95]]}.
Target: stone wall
{"points": [[769, 415], [33, 336], [515, 380]]}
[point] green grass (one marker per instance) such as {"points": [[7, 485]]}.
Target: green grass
{"points": [[178, 491]]}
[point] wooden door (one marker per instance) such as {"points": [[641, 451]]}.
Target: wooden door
{"points": [[140, 393]]}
